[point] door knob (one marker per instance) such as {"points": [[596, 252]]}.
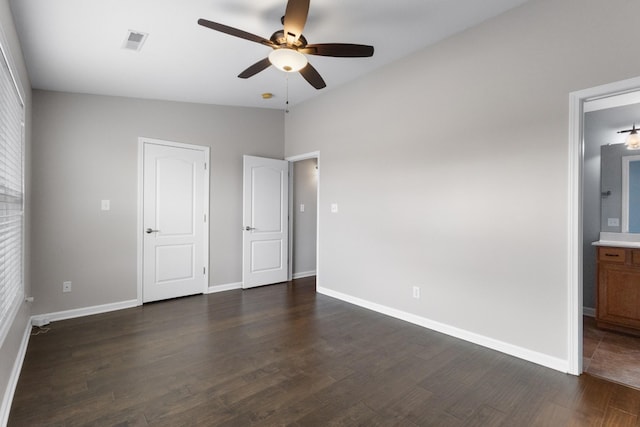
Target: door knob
{"points": [[247, 228], [149, 231]]}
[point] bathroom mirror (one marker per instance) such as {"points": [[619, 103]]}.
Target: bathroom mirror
{"points": [[620, 189], [611, 187], [631, 194]]}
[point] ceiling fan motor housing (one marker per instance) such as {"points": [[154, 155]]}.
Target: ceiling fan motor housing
{"points": [[280, 39]]}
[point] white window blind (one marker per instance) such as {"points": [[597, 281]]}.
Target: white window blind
{"points": [[11, 197]]}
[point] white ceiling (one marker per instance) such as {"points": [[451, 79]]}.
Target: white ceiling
{"points": [[76, 45]]}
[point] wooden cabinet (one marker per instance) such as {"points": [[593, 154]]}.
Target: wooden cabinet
{"points": [[618, 299]]}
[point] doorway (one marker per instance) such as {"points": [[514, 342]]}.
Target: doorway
{"points": [[173, 227], [606, 352], [305, 215], [577, 240], [304, 196]]}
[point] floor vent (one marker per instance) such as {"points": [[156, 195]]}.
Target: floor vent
{"points": [[134, 40]]}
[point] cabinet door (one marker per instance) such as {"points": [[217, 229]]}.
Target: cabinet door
{"points": [[619, 294]]}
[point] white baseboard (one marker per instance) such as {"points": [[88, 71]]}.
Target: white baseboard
{"points": [[303, 274], [86, 311], [225, 287], [588, 311], [510, 349], [13, 377]]}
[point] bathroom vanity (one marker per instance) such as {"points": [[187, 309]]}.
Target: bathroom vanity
{"points": [[618, 282]]}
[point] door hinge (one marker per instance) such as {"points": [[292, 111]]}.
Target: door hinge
{"points": [[205, 217], [204, 270], [205, 166]]}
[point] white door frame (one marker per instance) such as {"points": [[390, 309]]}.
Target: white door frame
{"points": [[291, 160], [140, 225], [575, 210]]}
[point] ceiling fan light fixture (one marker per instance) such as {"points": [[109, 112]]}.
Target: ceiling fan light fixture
{"points": [[287, 60]]}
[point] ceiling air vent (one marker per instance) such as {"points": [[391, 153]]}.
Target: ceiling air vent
{"points": [[134, 40]]}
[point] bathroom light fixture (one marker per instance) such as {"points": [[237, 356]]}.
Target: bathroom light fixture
{"points": [[287, 60], [633, 140]]}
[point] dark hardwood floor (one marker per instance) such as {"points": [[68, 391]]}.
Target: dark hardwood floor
{"points": [[284, 355]]}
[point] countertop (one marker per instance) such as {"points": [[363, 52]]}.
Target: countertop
{"points": [[616, 244], [619, 240]]}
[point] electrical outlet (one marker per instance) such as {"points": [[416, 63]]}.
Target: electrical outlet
{"points": [[66, 286], [416, 292]]}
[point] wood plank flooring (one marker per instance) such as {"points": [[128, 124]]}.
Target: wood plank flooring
{"points": [[284, 355]]}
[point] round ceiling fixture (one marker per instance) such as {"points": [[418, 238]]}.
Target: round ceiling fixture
{"points": [[287, 60]]}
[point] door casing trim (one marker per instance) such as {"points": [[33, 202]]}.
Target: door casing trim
{"points": [[140, 223]]}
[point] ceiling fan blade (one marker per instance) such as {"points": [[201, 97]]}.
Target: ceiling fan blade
{"points": [[295, 17], [235, 32], [255, 68], [340, 50], [311, 75]]}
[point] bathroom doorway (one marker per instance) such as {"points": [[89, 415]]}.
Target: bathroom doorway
{"points": [[606, 353]]}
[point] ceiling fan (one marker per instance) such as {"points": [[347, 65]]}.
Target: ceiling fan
{"points": [[290, 46]]}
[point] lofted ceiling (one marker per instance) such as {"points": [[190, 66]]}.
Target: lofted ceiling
{"points": [[76, 45]]}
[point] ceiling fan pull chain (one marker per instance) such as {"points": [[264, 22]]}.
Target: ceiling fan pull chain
{"points": [[286, 108]]}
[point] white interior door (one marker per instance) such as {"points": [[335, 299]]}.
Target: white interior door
{"points": [[174, 221], [265, 226]]}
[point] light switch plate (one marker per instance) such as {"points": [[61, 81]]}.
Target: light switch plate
{"points": [[334, 207], [301, 207], [613, 222], [105, 205]]}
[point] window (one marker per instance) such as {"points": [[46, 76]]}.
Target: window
{"points": [[11, 197]]}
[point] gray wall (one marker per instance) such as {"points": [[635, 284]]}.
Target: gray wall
{"points": [[85, 150], [305, 184], [10, 347], [450, 169]]}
